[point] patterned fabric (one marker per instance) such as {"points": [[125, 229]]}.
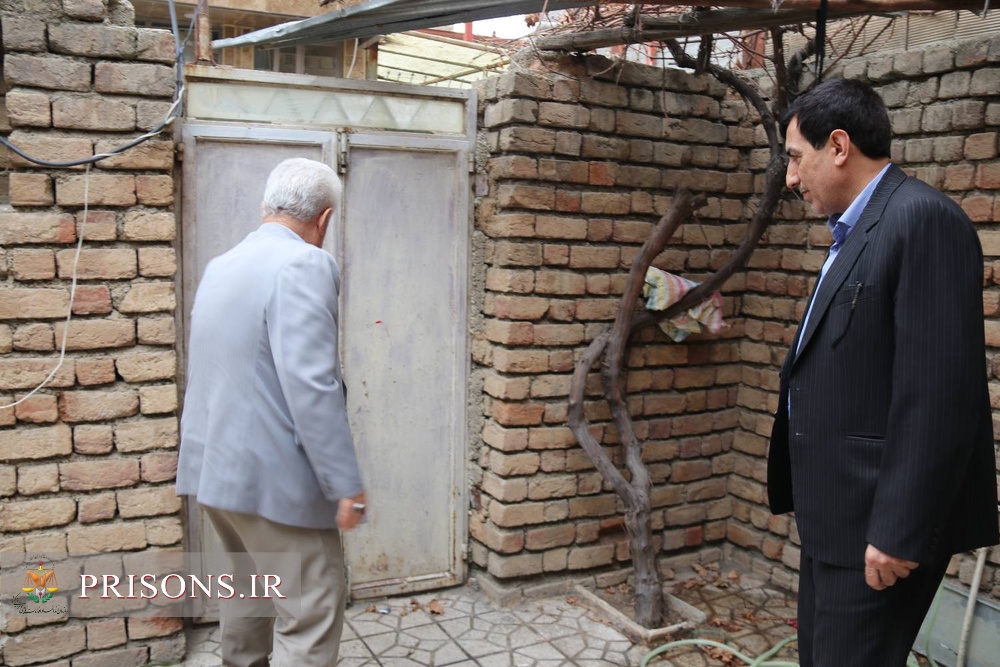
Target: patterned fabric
{"points": [[840, 232], [663, 289]]}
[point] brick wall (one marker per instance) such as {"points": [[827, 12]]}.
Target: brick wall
{"points": [[582, 162], [579, 160], [944, 103], [87, 464]]}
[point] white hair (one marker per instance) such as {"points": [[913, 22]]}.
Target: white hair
{"points": [[301, 189]]}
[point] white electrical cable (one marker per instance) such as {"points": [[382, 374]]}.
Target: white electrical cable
{"points": [[970, 608], [72, 295]]}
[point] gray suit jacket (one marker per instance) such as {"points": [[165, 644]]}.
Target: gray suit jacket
{"points": [[264, 429]]}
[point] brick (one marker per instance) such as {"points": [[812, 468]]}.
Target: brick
{"points": [[520, 514], [147, 366], [510, 111], [103, 264], [499, 541], [147, 155], [49, 148], [23, 34], [981, 146], [523, 84], [93, 439], [605, 148], [149, 226], [98, 334], [35, 515], [92, 113], [156, 331], [104, 190], [28, 109], [559, 282], [581, 558], [31, 190], [107, 41], [134, 79], [34, 337], [164, 532], [100, 507], [95, 371], [51, 72], [149, 298], [521, 565], [44, 644], [23, 228], [149, 114], [521, 139], [563, 115], [106, 633], [969, 115], [153, 501], [506, 388], [147, 434], [520, 361], [563, 171], [568, 143], [90, 406], [100, 226], [8, 481], [32, 480], [554, 486], [39, 409], [985, 82], [155, 45], [553, 227], [558, 334], [522, 463], [144, 628], [158, 467], [88, 10], [606, 203], [517, 195], [594, 257], [154, 189], [519, 307], [107, 538], [33, 265], [27, 373], [988, 176], [92, 300], [550, 537], [160, 399], [103, 474], [512, 166]]}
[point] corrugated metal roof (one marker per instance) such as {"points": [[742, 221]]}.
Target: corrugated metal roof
{"points": [[383, 17]]}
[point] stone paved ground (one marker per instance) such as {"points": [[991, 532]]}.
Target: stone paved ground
{"points": [[553, 632]]}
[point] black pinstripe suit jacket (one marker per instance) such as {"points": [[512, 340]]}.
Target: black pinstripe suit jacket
{"points": [[889, 440]]}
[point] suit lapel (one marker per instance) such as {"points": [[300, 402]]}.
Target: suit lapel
{"points": [[849, 253]]}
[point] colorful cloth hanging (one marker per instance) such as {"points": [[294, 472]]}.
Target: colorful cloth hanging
{"points": [[661, 290]]}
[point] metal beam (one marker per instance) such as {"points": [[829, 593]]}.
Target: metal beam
{"points": [[687, 24], [835, 5], [390, 16]]}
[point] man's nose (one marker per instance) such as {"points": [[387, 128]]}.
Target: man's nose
{"points": [[791, 177]]}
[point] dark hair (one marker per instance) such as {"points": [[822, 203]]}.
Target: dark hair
{"points": [[843, 104]]}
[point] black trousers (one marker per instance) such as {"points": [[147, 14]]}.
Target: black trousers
{"points": [[844, 622]]}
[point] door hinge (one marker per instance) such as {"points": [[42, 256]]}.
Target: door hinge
{"points": [[466, 551], [343, 151], [471, 157]]}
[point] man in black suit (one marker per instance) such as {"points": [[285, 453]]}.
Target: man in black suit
{"points": [[883, 439]]}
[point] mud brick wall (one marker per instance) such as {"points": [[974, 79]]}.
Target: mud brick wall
{"points": [[87, 464], [944, 103], [579, 161]]}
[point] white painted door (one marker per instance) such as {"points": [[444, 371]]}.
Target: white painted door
{"points": [[405, 257], [401, 241]]}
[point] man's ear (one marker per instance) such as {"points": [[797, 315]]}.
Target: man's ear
{"points": [[323, 223], [840, 144]]}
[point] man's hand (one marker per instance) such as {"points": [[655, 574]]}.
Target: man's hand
{"points": [[882, 570], [347, 516]]}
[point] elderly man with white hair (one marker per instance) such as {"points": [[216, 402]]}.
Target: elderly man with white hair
{"points": [[266, 449]]}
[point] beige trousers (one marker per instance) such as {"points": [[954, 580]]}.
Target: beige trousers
{"points": [[302, 630]]}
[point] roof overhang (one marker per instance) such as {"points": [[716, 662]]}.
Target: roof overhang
{"points": [[383, 17]]}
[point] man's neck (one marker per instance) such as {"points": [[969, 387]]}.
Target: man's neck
{"points": [[291, 223], [864, 172]]}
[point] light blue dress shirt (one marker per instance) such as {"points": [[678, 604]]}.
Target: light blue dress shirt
{"points": [[849, 218]]}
